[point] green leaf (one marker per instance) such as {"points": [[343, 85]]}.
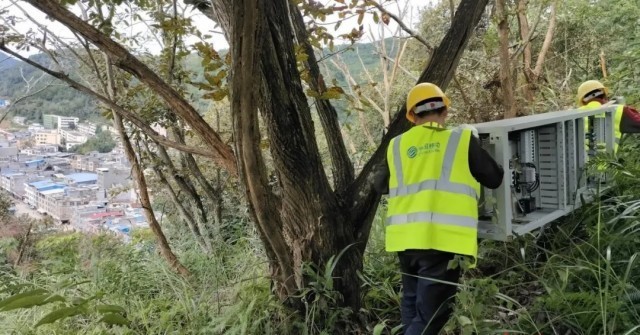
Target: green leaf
{"points": [[61, 313], [463, 320], [16, 297], [115, 319], [54, 298], [377, 330], [104, 309], [26, 302]]}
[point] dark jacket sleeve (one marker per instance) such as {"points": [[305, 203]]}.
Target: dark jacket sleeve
{"points": [[381, 178], [483, 167], [630, 122]]}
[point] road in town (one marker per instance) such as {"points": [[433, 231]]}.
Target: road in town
{"points": [[22, 208]]}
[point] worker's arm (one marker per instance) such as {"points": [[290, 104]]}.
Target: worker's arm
{"points": [[630, 122], [483, 167]]}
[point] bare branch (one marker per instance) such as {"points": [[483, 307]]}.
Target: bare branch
{"points": [[402, 25], [122, 58], [547, 39]]}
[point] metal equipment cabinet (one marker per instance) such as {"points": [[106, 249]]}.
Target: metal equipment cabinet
{"points": [[544, 157]]}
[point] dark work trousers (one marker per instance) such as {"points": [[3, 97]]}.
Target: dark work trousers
{"points": [[426, 304]]}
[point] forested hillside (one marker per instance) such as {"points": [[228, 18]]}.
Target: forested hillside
{"points": [[19, 80], [22, 81], [262, 211]]}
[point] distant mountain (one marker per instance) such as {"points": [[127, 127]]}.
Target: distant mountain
{"points": [[57, 98], [7, 61], [60, 99]]}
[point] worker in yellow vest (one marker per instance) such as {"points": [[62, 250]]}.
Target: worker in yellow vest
{"points": [[593, 94], [433, 176]]}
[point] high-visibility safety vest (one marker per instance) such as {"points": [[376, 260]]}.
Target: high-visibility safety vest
{"points": [[433, 198], [617, 118]]}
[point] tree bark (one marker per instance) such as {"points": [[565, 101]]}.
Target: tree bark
{"points": [[342, 167], [523, 24], [506, 79]]}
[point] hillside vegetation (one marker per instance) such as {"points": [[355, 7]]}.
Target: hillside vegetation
{"points": [[22, 81]]}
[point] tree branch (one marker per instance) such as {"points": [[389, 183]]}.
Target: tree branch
{"points": [[402, 25], [126, 61], [343, 173], [547, 40], [131, 117]]}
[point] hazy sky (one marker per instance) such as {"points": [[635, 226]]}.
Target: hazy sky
{"points": [[373, 31]]}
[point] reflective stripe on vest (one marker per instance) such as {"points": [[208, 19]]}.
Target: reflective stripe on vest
{"points": [[448, 219], [617, 119], [442, 184]]}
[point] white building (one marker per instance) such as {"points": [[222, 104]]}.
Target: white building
{"points": [[46, 137], [109, 177], [13, 183], [71, 137], [87, 128], [35, 127], [61, 204]]}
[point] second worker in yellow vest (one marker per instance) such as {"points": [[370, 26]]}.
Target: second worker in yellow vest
{"points": [[593, 94], [433, 179]]}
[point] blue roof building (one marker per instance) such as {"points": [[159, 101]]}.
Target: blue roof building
{"points": [[34, 163]]}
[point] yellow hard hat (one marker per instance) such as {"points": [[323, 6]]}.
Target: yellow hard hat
{"points": [[421, 92], [588, 87]]}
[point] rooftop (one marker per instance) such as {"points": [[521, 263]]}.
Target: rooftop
{"points": [[52, 191], [105, 215], [40, 183], [82, 177]]}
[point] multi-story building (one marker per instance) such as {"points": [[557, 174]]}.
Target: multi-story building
{"points": [[33, 189], [46, 137], [71, 137], [13, 183], [61, 205], [109, 177], [88, 162], [35, 127], [87, 128], [51, 121]]}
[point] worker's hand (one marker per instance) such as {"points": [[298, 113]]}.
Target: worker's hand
{"points": [[473, 129]]}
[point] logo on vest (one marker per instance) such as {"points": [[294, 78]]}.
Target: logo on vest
{"points": [[412, 152], [426, 148]]}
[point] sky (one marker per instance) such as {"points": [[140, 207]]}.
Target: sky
{"points": [[410, 16]]}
